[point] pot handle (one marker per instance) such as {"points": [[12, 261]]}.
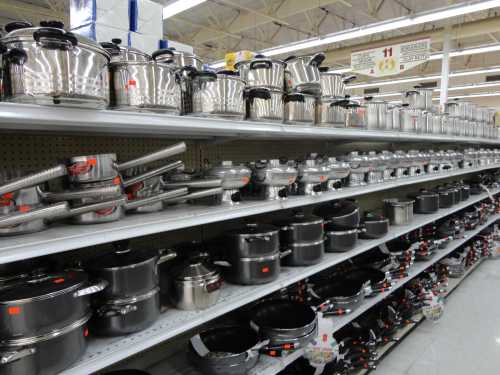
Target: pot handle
{"points": [[222, 263], [260, 93], [259, 238], [167, 152], [136, 203], [267, 64], [109, 311], [16, 25], [212, 286], [199, 346], [165, 257], [16, 56], [33, 179], [294, 98], [12, 356], [317, 59], [56, 38], [206, 76], [285, 253], [290, 58], [67, 195], [152, 173], [196, 184], [254, 351], [163, 51], [349, 79], [48, 212], [92, 289]]}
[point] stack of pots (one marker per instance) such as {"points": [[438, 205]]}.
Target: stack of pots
{"points": [[303, 85], [131, 300], [252, 254], [417, 106], [44, 322], [265, 84], [331, 106], [303, 235]]}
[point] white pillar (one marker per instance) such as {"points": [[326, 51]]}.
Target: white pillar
{"points": [[445, 68]]}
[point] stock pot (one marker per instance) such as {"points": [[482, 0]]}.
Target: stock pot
{"points": [[264, 104], [179, 59], [300, 109], [48, 65], [331, 111], [302, 73], [301, 228], [376, 113], [253, 240], [262, 72], [419, 98], [333, 84]]}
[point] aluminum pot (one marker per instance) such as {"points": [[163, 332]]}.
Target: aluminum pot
{"points": [[45, 354], [333, 84], [398, 212], [196, 285], [331, 112], [219, 95], [356, 115], [253, 240], [393, 118], [264, 104], [412, 120], [301, 229], [121, 316], [255, 270], [312, 174], [262, 72], [340, 240], [299, 108], [128, 272], [50, 66], [302, 73], [426, 202], [420, 98], [305, 253], [41, 303]]}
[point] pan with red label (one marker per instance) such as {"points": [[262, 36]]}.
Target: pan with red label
{"points": [[39, 304], [339, 295]]}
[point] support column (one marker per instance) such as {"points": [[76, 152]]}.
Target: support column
{"points": [[445, 67]]}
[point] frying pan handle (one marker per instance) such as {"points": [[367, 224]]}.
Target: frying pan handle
{"points": [[93, 208], [12, 356], [136, 203], [33, 179], [48, 212], [337, 312], [67, 195], [197, 184], [92, 289], [196, 195], [178, 148], [212, 286], [152, 173]]}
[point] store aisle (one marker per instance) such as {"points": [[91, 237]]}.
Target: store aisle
{"points": [[466, 341]]}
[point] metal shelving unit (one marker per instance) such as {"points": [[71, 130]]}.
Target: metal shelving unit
{"points": [[273, 365], [103, 352], [62, 237], [26, 117]]}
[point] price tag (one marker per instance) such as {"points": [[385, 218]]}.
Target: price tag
{"points": [[324, 348]]}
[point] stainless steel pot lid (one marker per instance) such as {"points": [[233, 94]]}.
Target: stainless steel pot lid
{"points": [[41, 287], [196, 269], [230, 170], [254, 229]]}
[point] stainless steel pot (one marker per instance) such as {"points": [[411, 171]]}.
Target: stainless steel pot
{"points": [[420, 98], [393, 118], [376, 113], [196, 285], [399, 212], [302, 73], [310, 177], [338, 170], [299, 109], [219, 95], [50, 66], [331, 112], [264, 104], [333, 84], [262, 72], [177, 58], [412, 120], [356, 115], [233, 176]]}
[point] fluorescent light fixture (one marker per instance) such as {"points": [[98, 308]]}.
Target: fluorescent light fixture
{"points": [[379, 27], [179, 6]]}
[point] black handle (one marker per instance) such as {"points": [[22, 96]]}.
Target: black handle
{"points": [[342, 103], [324, 69], [16, 56], [111, 47], [260, 93], [283, 193], [266, 64], [290, 58], [116, 41], [162, 52], [317, 188], [411, 92], [228, 72], [317, 59], [349, 79], [57, 39], [294, 98], [3, 49], [368, 98], [208, 76], [16, 25], [52, 23], [191, 71]]}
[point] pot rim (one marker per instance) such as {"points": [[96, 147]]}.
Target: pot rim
{"points": [[133, 299], [260, 259], [305, 244], [341, 232]]}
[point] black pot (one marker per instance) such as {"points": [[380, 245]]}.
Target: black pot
{"points": [[229, 350], [46, 354], [378, 279], [305, 254], [127, 315], [426, 202], [127, 372], [128, 272], [253, 240], [341, 240], [340, 294], [37, 305], [465, 192], [342, 214], [301, 229], [456, 192], [374, 226], [446, 198], [17, 270]]}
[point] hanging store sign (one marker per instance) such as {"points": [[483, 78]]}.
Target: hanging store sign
{"points": [[391, 60]]}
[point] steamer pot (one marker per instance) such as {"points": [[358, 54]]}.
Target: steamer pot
{"points": [[398, 212], [331, 112]]}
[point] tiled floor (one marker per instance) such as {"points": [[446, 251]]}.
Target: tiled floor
{"points": [[466, 341]]}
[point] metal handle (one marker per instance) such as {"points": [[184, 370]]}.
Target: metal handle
{"points": [[136, 203], [155, 156], [152, 173], [9, 357], [95, 207], [196, 195], [48, 212], [258, 238], [92, 289], [212, 286], [195, 184], [68, 195], [109, 311], [55, 38], [33, 179], [165, 257]]}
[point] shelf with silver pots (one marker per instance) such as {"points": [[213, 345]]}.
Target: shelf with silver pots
{"points": [[103, 352], [59, 238], [28, 117]]}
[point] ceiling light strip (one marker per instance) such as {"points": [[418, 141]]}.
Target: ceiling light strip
{"points": [[179, 6]]}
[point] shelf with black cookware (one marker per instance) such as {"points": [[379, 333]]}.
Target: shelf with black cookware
{"points": [[60, 237], [103, 352], [27, 117]]}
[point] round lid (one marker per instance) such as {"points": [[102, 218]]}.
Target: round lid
{"points": [[253, 229], [227, 167], [301, 218], [41, 286], [196, 269], [121, 53], [121, 258]]}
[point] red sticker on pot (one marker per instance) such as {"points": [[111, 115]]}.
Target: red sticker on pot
{"points": [[81, 168], [265, 269], [117, 181], [14, 310], [59, 280], [322, 178], [245, 180], [24, 208]]}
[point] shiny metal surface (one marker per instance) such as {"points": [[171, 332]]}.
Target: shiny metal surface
{"points": [[263, 72], [333, 84], [302, 73], [376, 113], [331, 112], [273, 173], [412, 120], [270, 108], [419, 98], [196, 294], [233, 176], [300, 109]]}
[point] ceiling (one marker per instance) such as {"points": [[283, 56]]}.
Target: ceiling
{"points": [[218, 26]]}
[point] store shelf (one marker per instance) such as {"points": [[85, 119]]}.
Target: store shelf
{"points": [[106, 351], [63, 237], [26, 117]]}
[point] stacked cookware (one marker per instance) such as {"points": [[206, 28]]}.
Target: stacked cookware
{"points": [[233, 178], [303, 235], [44, 325]]}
